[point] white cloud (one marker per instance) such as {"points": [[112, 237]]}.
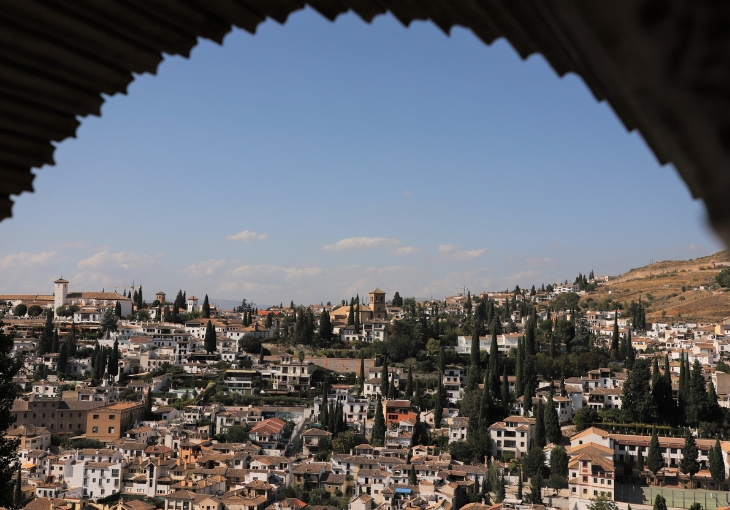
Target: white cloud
{"points": [[370, 244], [26, 259], [452, 251], [362, 244], [247, 236], [107, 269], [206, 268], [541, 261], [122, 259], [289, 273], [406, 250]]}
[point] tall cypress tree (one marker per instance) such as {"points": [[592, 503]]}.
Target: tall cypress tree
{"points": [[384, 380], [378, 435], [655, 372], [356, 320], [62, 359], [351, 313], [118, 310], [505, 392], [148, 405], [438, 407], [210, 338], [540, 425], [114, 360], [485, 406], [518, 368], [667, 370], [552, 423], [325, 326], [54, 342], [689, 464], [654, 459], [615, 337], [494, 360], [475, 354], [362, 372], [717, 466], [409, 383], [206, 308]]}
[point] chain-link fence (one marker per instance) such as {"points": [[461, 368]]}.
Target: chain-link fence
{"points": [[678, 498]]}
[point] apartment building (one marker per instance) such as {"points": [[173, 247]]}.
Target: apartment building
{"points": [[512, 437], [292, 375], [110, 422], [59, 416]]}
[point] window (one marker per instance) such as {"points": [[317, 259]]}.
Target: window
{"points": [[112, 416], [111, 430], [95, 417], [95, 430]]}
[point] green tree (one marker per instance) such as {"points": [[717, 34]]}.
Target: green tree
{"points": [[615, 337], [114, 360], [148, 405], [412, 478], [519, 484], [654, 459], [20, 310], [697, 404], [500, 490], [535, 496], [540, 437], [505, 391], [34, 310], [325, 326], [602, 502], [689, 464], [206, 308], [378, 433], [475, 354], [45, 342], [18, 498], [362, 372], [494, 367], [210, 339], [384, 379], [717, 466], [723, 278], [660, 503], [637, 399], [534, 461], [397, 299], [552, 422], [559, 461], [109, 321], [438, 406], [9, 462], [518, 369], [62, 359], [409, 383], [585, 418]]}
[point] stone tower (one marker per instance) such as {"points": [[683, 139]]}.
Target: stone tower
{"points": [[60, 291], [377, 303]]}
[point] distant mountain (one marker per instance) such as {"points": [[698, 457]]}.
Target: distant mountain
{"points": [[230, 304]]}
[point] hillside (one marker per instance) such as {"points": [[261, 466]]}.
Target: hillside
{"points": [[660, 287]]}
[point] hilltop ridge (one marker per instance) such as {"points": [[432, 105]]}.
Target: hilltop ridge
{"points": [[673, 289]]}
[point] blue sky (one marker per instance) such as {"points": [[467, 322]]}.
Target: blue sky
{"points": [[316, 160]]}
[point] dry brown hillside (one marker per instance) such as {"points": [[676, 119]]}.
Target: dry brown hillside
{"points": [[660, 287]]}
